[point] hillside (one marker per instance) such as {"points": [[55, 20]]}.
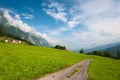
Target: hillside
{"points": [[102, 47], [20, 32], [114, 49], [23, 62], [9, 38]]}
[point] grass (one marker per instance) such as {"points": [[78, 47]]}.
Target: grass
{"points": [[104, 69], [24, 62], [75, 71]]}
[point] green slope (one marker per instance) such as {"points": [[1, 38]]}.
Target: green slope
{"points": [[104, 69], [24, 62]]}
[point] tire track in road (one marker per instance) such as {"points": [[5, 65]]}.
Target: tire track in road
{"points": [[78, 71]]}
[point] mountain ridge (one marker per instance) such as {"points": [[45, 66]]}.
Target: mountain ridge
{"points": [[114, 50], [102, 47], [16, 31]]}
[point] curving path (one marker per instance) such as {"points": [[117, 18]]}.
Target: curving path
{"points": [[78, 71]]}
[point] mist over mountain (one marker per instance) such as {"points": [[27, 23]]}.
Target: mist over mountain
{"points": [[103, 47], [113, 49], [14, 26]]}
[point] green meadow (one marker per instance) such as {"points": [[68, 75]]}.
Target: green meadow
{"points": [[25, 62], [104, 69]]}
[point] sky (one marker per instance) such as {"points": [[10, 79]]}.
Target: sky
{"points": [[75, 24]]}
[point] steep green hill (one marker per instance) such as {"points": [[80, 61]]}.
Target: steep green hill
{"points": [[24, 62]]}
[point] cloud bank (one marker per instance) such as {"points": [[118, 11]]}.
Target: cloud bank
{"points": [[88, 23], [16, 21]]}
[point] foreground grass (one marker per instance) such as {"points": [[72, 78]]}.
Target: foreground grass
{"points": [[104, 69], [22, 62]]}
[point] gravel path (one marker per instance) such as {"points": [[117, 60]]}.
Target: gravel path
{"points": [[78, 71]]}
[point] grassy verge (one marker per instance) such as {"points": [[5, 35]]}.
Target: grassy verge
{"points": [[104, 69]]}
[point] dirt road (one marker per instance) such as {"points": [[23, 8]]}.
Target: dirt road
{"points": [[75, 72]]}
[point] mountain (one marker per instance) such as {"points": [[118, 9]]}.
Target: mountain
{"points": [[12, 39], [102, 47], [113, 49], [31, 37]]}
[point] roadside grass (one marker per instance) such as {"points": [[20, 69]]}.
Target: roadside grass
{"points": [[104, 69], [24, 62]]}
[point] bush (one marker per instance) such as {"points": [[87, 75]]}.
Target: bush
{"points": [[81, 51], [60, 47]]}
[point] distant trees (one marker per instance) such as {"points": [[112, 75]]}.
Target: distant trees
{"points": [[81, 51], [60, 47], [105, 54], [102, 53], [118, 55]]}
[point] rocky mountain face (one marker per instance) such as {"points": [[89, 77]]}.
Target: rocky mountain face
{"points": [[16, 31]]}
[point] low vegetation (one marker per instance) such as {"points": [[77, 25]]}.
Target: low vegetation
{"points": [[24, 62], [102, 68], [81, 51], [60, 47], [102, 53]]}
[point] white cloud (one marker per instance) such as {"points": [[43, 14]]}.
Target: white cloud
{"points": [[17, 16], [101, 19], [17, 22], [58, 16], [27, 16], [96, 7], [109, 25], [57, 11], [73, 23]]}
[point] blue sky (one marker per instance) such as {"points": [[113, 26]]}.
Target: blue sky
{"points": [[74, 23]]}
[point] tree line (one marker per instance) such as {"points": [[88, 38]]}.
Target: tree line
{"points": [[104, 54], [98, 53], [60, 47], [101, 53]]}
